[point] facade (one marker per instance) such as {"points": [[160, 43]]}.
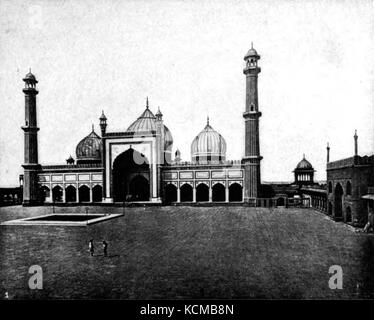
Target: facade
{"points": [[350, 187], [137, 165]]}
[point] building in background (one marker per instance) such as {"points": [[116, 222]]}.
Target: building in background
{"points": [[350, 187]]}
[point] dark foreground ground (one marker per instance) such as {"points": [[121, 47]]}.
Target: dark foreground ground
{"points": [[182, 252]]}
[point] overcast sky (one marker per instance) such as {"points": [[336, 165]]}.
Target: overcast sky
{"points": [[316, 83]]}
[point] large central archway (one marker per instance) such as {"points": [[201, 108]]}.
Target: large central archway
{"points": [[139, 189], [131, 176]]}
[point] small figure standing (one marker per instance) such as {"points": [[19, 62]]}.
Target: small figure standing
{"points": [[105, 248], [370, 223], [91, 247]]}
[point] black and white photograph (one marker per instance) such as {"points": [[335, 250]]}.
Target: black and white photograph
{"points": [[186, 150]]}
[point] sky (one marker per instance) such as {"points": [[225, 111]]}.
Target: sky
{"points": [[316, 84]]}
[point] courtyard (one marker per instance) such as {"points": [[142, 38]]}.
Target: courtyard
{"points": [[180, 252]]}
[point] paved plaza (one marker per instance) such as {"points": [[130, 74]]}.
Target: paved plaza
{"points": [[186, 252]]}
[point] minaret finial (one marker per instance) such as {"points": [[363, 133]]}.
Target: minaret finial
{"points": [[207, 120], [30, 70], [93, 129], [303, 155], [147, 103], [251, 44]]}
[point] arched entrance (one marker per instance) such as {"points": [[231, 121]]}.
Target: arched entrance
{"points": [[44, 193], [71, 194], [218, 192], [348, 215], [97, 193], [138, 189], [127, 165], [235, 192], [338, 201], [202, 193], [170, 193], [84, 194], [186, 193], [280, 202], [329, 211], [57, 194]]}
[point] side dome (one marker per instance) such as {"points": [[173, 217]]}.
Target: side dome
{"points": [[208, 145], [304, 165], [89, 149]]}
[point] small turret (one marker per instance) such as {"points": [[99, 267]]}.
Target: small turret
{"points": [[103, 123], [177, 157], [159, 115], [70, 160]]}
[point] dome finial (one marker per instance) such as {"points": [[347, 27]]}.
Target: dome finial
{"points": [[303, 155], [251, 44], [93, 129], [147, 104], [207, 120]]}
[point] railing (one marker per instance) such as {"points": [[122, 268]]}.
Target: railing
{"points": [[72, 166], [279, 202], [205, 163]]}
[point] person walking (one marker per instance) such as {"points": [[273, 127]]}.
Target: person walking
{"points": [[91, 248], [105, 248]]}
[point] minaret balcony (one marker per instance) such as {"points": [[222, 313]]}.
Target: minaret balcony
{"points": [[252, 114]]}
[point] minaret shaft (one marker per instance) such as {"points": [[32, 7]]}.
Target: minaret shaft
{"points": [[252, 157], [31, 166]]}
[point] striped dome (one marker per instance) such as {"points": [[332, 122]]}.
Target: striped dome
{"points": [[89, 148], [146, 123], [208, 145]]}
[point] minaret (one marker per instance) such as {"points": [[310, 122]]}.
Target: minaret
{"points": [[160, 152], [356, 145], [31, 166], [328, 152], [251, 115]]}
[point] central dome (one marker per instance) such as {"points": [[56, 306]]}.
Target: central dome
{"points": [[208, 145], [146, 123]]}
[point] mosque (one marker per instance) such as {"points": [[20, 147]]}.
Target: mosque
{"points": [[137, 165]]}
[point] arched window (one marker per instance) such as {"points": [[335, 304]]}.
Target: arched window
{"points": [[97, 193], [330, 187], [202, 192], [235, 192], [57, 194], [349, 188], [170, 193], [84, 194], [218, 192], [71, 194], [186, 193]]}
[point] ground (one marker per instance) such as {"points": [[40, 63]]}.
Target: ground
{"points": [[187, 252]]}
